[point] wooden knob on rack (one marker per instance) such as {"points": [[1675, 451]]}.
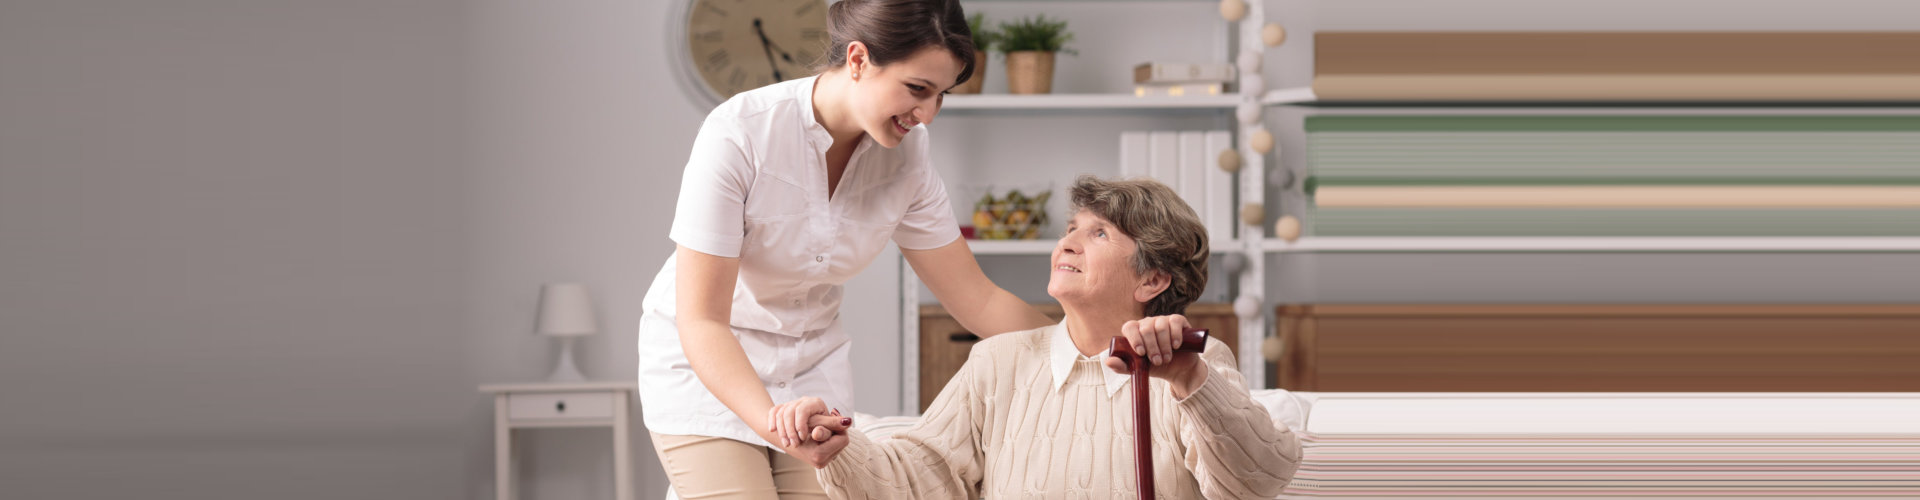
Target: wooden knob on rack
{"points": [[1230, 160], [1273, 35], [1287, 228], [1233, 10], [1262, 141]]}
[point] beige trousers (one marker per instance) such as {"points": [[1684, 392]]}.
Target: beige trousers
{"points": [[704, 467]]}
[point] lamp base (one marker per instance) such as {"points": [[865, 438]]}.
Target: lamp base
{"points": [[565, 371]]}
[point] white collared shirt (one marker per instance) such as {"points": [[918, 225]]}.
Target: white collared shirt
{"points": [[755, 188], [1061, 355]]}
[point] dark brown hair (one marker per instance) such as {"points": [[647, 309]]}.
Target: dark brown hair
{"points": [[895, 29], [1169, 237]]}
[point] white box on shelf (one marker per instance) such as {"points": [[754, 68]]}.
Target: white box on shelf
{"points": [[1161, 72], [1178, 89]]}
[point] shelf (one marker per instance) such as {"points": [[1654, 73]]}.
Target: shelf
{"points": [[1012, 102], [1297, 96], [1011, 247], [1594, 244], [1087, 102], [1090, 1], [1045, 247]]}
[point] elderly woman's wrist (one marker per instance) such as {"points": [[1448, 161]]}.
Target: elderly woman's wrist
{"points": [[1190, 382]]}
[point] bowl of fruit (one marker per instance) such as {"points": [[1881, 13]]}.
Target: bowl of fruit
{"points": [[1013, 216]]}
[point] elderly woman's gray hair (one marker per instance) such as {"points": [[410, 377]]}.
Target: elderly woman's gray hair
{"points": [[1169, 235]]}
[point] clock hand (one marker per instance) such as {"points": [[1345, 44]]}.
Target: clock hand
{"points": [[767, 47], [783, 53]]}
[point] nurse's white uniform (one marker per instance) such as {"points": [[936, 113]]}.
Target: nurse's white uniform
{"points": [[755, 188]]}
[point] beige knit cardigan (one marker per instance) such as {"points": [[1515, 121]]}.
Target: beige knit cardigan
{"points": [[1000, 430]]}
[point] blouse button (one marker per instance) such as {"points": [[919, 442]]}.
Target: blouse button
{"points": [[819, 258]]}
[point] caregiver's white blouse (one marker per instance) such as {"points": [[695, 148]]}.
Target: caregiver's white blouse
{"points": [[755, 188]]}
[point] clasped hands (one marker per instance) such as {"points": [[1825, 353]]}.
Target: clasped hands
{"points": [[807, 429]]}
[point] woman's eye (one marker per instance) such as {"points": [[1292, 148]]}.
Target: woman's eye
{"points": [[1101, 233], [916, 88]]}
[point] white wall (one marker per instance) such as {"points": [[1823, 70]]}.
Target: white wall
{"points": [[578, 135], [231, 250]]}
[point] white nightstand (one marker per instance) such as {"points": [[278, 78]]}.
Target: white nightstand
{"points": [[572, 404]]}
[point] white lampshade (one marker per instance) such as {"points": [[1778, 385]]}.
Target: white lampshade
{"points": [[566, 310]]}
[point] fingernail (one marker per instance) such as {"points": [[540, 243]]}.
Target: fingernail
{"points": [[846, 422]]}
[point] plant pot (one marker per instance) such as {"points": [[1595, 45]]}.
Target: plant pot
{"points": [[1030, 72], [979, 75]]}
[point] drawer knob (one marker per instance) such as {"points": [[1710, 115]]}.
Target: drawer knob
{"points": [[560, 406]]}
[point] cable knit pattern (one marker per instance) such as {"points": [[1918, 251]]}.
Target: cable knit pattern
{"points": [[998, 430]]}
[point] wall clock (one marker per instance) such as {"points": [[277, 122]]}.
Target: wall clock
{"points": [[729, 46]]}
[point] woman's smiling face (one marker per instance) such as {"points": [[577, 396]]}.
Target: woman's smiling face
{"points": [[890, 100]]}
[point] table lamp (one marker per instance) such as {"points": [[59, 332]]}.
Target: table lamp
{"points": [[566, 311]]}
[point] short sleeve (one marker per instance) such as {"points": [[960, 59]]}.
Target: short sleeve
{"points": [[929, 222], [710, 214]]}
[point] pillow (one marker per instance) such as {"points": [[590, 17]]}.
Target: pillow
{"points": [[878, 428], [1288, 409]]}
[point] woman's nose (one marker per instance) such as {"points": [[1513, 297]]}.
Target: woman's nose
{"points": [[925, 113], [1069, 244]]}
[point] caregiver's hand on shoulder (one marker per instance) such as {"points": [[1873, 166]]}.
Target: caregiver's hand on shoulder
{"points": [[1155, 338]]}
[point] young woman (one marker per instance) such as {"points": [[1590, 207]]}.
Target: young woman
{"points": [[792, 189]]}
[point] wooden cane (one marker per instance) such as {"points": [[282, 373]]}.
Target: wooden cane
{"points": [[1191, 340]]}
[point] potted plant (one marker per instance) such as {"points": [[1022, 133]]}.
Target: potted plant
{"points": [[982, 41], [1030, 45]]}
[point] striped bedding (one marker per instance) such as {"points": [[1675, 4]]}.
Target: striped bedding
{"points": [[1590, 445]]}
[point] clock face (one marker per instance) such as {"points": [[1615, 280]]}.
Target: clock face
{"points": [[738, 45]]}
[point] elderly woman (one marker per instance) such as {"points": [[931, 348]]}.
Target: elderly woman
{"points": [[1040, 414]]}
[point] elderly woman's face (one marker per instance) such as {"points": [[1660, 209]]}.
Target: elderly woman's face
{"points": [[1093, 263]]}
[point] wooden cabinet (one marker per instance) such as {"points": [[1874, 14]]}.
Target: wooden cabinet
{"points": [[944, 344], [1633, 348]]}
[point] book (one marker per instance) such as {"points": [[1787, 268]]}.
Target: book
{"points": [[1133, 154], [1186, 162]]}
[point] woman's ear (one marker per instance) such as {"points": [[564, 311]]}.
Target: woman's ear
{"points": [[1155, 283], [857, 59]]}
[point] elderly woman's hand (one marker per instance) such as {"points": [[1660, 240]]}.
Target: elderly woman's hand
{"points": [[788, 421], [1155, 338], [829, 437]]}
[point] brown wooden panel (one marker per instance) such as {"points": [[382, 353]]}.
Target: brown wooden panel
{"points": [[944, 344], [1616, 53], [1601, 348]]}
